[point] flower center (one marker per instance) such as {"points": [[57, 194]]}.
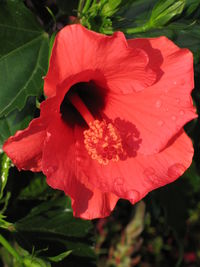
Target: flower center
{"points": [[102, 140]]}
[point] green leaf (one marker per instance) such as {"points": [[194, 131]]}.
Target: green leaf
{"points": [[60, 257], [16, 120], [10, 249], [110, 7], [37, 189], [187, 34], [35, 262], [164, 11], [52, 225], [175, 201], [51, 42], [193, 178], [191, 6], [138, 10], [23, 56], [4, 224], [56, 217]]}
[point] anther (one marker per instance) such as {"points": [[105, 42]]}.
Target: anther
{"points": [[103, 142]]}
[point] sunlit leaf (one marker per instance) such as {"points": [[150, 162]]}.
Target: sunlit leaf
{"points": [[164, 11]]}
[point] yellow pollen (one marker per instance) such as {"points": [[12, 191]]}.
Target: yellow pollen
{"points": [[103, 142]]}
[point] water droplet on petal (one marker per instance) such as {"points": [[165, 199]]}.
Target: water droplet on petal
{"points": [[158, 103], [173, 118], [182, 112], [119, 181], [176, 170], [175, 82], [51, 169], [151, 175], [126, 90], [78, 159], [119, 186], [104, 187], [160, 123], [77, 144]]}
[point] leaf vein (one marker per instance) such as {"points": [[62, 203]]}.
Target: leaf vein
{"points": [[28, 81], [18, 28], [20, 47]]}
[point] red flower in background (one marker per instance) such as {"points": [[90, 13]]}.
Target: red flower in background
{"points": [[112, 125]]}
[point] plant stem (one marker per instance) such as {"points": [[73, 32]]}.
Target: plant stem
{"points": [[4, 172], [143, 28], [10, 249]]}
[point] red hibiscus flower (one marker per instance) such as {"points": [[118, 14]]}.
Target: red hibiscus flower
{"points": [[112, 125]]}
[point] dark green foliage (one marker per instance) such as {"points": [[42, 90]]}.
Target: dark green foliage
{"points": [[36, 221], [23, 56], [16, 120]]}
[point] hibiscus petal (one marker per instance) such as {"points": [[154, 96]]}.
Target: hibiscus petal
{"points": [[58, 153], [161, 110], [25, 147], [134, 177], [153, 47], [60, 162], [89, 203], [77, 49]]}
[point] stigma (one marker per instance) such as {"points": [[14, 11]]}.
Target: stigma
{"points": [[102, 140]]}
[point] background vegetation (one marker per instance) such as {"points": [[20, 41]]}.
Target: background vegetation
{"points": [[36, 223]]}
